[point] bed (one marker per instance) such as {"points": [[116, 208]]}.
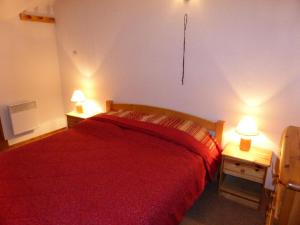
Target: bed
{"points": [[134, 165]]}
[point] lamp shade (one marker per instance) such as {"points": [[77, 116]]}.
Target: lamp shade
{"points": [[247, 127], [78, 96]]}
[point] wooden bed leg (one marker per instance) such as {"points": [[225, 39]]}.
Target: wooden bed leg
{"points": [[219, 130], [109, 105]]}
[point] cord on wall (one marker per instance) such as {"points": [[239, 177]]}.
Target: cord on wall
{"points": [[184, 48]]}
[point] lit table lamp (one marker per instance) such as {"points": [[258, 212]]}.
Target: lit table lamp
{"points": [[78, 97], [246, 128]]}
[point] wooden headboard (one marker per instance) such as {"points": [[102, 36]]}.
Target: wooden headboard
{"points": [[216, 127]]}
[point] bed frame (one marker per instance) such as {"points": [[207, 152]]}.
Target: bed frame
{"points": [[216, 127]]}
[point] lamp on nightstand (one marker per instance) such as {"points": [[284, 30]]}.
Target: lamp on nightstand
{"points": [[246, 128], [78, 97]]}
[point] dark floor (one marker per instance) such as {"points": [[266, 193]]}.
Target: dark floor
{"points": [[212, 209]]}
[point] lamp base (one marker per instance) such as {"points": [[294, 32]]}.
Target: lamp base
{"points": [[79, 109], [245, 144]]}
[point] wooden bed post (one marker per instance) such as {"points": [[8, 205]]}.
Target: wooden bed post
{"points": [[219, 130], [109, 104]]}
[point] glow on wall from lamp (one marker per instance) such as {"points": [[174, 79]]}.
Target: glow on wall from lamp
{"points": [[88, 84], [86, 65], [85, 53], [91, 105], [261, 140], [251, 80], [247, 127], [187, 3]]}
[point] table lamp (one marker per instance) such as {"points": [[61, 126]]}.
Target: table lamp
{"points": [[246, 128], [78, 97]]}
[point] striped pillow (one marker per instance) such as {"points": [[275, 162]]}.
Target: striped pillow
{"points": [[132, 115], [200, 133]]}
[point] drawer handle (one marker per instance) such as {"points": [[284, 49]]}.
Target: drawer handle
{"points": [[256, 169], [237, 164]]}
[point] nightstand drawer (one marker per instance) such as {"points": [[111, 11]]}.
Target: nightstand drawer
{"points": [[72, 121], [247, 171]]}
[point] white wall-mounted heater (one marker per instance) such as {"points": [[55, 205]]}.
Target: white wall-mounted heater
{"points": [[23, 117]]}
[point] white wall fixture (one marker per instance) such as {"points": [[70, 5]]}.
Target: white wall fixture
{"points": [[23, 117]]}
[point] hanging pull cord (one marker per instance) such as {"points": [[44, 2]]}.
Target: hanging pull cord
{"points": [[184, 47]]}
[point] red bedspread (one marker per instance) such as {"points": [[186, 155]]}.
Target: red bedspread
{"points": [[104, 171]]}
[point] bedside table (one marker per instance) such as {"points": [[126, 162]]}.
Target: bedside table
{"points": [[243, 174], [3, 142], [74, 118]]}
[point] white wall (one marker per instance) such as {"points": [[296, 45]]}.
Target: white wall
{"points": [[30, 71], [242, 57]]}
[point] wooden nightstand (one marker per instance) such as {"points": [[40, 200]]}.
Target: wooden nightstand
{"points": [[3, 142], [74, 118], [243, 174]]}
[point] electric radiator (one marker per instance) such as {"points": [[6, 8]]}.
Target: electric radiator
{"points": [[23, 117]]}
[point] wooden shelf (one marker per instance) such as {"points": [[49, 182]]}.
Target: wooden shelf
{"points": [[241, 187], [241, 190], [32, 18]]}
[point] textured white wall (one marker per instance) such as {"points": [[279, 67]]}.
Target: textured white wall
{"points": [[242, 57], [30, 71]]}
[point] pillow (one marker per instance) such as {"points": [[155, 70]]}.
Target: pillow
{"points": [[190, 127]]}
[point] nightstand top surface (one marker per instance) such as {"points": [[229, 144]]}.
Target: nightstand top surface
{"points": [[81, 115], [255, 155]]}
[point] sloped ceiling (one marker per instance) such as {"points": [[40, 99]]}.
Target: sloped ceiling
{"points": [[11, 8]]}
